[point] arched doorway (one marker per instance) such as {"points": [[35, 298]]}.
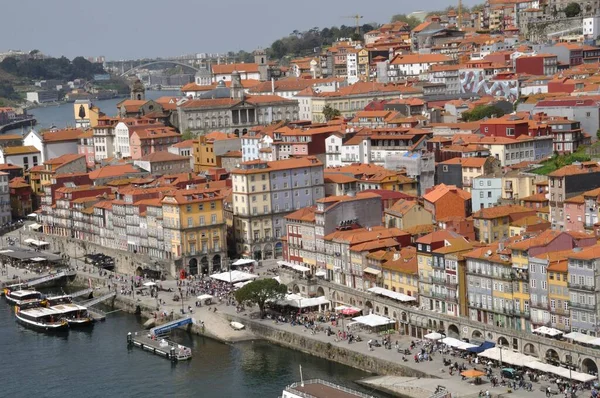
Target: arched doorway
{"points": [[193, 264], [453, 331], [320, 292], [476, 334], [278, 249], [216, 263], [257, 253], [552, 356], [404, 317], [589, 366], [204, 265], [139, 271], [369, 306], [502, 341], [268, 251], [529, 349], [296, 289]]}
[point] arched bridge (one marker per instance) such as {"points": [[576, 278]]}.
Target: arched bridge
{"points": [[156, 63]]}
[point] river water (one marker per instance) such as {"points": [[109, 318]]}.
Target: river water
{"points": [[62, 115], [97, 363]]}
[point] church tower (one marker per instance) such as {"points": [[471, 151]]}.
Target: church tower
{"points": [[138, 91], [236, 90], [260, 58]]}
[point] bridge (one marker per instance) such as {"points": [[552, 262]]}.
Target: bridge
{"points": [[49, 278], [85, 292], [98, 300], [144, 65], [417, 322], [167, 327]]}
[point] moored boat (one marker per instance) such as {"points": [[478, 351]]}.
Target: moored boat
{"points": [[57, 300], [24, 297], [75, 315], [42, 319]]}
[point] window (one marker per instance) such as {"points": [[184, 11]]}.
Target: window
{"points": [[445, 168], [510, 131]]}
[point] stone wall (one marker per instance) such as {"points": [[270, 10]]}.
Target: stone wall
{"points": [[537, 31]]}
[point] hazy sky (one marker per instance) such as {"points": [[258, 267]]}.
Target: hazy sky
{"points": [[129, 29]]}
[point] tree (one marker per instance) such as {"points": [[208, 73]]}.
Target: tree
{"points": [[482, 111], [187, 135], [259, 291], [330, 113], [572, 10], [598, 134], [411, 21]]}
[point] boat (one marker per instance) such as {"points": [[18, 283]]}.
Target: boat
{"points": [[24, 297], [42, 319], [237, 325], [56, 300], [75, 315]]}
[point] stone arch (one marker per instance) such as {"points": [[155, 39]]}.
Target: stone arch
{"points": [[320, 291], [503, 341], [476, 334], [529, 349], [394, 315], [278, 249], [404, 317], [369, 306], [193, 265], [216, 263], [204, 268], [296, 289], [589, 366], [377, 309], [139, 271], [268, 251], [257, 253], [386, 311], [352, 301], [244, 131], [453, 331], [552, 356]]}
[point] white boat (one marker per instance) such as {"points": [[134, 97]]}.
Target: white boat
{"points": [[75, 315], [56, 300], [42, 319], [237, 325], [23, 297]]}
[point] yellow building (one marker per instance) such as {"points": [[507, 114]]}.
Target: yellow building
{"points": [[493, 223], [209, 148], [195, 229], [363, 64], [407, 213], [389, 181], [85, 114]]}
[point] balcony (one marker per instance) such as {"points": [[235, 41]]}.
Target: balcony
{"points": [[443, 281], [539, 305], [560, 311], [583, 306], [577, 286]]}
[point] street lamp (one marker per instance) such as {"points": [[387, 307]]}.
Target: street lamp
{"points": [[500, 347], [569, 359], [181, 295]]}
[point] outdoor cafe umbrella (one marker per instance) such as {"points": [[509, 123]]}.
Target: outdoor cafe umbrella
{"points": [[472, 373]]}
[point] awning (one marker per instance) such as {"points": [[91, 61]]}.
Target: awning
{"points": [[456, 343], [243, 261], [391, 294], [297, 301], [147, 284], [234, 276], [36, 242], [508, 356], [347, 309], [482, 347], [204, 297], [38, 259], [293, 266], [32, 215], [320, 273], [373, 271], [433, 336], [35, 226], [240, 285], [547, 331], [373, 320], [580, 337]]}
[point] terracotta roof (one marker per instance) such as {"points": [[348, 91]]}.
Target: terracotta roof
{"points": [[19, 150], [579, 199], [500, 211], [338, 178], [467, 162], [309, 161], [420, 229], [163, 156], [575, 169], [64, 159], [62, 135], [442, 189], [18, 182], [529, 221], [402, 59], [113, 171], [438, 236], [185, 144], [10, 137], [588, 253], [306, 214], [538, 197], [402, 206], [222, 69]]}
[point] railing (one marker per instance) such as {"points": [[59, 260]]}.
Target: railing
{"points": [[292, 388], [581, 287], [575, 304]]}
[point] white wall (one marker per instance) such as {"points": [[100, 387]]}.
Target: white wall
{"points": [[122, 139]]}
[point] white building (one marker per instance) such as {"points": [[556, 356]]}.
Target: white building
{"points": [[122, 147], [252, 143], [55, 143], [591, 27], [104, 140], [352, 66], [356, 150], [22, 156], [414, 65]]}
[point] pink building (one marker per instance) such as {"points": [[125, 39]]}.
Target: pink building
{"points": [[86, 147], [147, 140], [574, 217]]}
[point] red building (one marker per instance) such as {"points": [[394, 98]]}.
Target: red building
{"points": [[21, 202], [540, 64], [510, 126]]}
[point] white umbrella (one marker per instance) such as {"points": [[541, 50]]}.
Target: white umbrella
{"points": [[149, 284]]}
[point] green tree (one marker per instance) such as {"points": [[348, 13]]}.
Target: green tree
{"points": [[411, 21], [259, 291], [482, 111], [598, 134], [187, 135], [572, 10], [330, 113]]}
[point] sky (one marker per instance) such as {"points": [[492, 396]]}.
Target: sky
{"points": [[131, 29]]}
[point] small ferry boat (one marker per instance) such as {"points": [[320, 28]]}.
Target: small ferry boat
{"points": [[51, 301], [24, 297], [75, 315], [42, 319]]}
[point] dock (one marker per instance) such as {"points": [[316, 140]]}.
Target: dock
{"points": [[98, 300], [159, 346]]}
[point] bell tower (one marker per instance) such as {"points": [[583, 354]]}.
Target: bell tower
{"points": [[236, 90], [260, 58], [138, 91]]}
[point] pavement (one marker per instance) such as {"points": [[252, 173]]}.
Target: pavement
{"points": [[217, 326]]}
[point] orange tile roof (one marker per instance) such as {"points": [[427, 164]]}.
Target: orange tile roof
{"points": [[308, 161], [222, 69], [163, 156], [500, 211], [19, 150], [576, 169], [306, 214], [438, 236], [338, 178], [64, 159], [113, 171], [405, 59], [62, 135], [588, 253], [442, 189]]}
